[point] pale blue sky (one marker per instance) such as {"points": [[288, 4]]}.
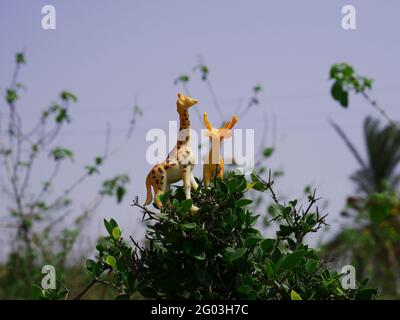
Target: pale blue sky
{"points": [[109, 52]]}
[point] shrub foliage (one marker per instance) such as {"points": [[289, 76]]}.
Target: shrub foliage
{"points": [[219, 253]]}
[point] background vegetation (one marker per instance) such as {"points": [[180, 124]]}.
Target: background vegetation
{"points": [[220, 253]]}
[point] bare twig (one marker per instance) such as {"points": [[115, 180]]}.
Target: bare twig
{"points": [[382, 111], [91, 284]]}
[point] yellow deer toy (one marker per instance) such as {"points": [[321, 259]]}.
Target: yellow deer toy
{"points": [[214, 157], [180, 161]]}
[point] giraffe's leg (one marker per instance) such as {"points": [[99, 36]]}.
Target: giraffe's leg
{"points": [[193, 182], [186, 186], [167, 188], [160, 187], [186, 181], [157, 201]]}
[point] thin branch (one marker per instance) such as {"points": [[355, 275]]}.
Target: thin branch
{"points": [[383, 113], [88, 287], [48, 182], [151, 214], [268, 185], [214, 98]]}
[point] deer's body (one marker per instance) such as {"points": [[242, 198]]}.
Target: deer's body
{"points": [[213, 168], [180, 161], [214, 162]]}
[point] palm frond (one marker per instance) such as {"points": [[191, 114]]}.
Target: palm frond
{"points": [[348, 143]]}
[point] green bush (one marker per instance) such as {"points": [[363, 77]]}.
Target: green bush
{"points": [[218, 253]]}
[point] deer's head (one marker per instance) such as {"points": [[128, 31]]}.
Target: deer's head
{"points": [[219, 133]]}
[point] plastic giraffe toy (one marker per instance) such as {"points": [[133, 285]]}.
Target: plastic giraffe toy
{"points": [[180, 161], [215, 159]]}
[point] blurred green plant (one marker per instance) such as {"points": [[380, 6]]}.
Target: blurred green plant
{"points": [[37, 215], [346, 80], [371, 241]]}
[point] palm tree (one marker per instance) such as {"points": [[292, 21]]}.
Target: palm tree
{"points": [[373, 248], [378, 171]]}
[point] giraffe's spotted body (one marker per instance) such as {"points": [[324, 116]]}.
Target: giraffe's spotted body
{"points": [[180, 161]]}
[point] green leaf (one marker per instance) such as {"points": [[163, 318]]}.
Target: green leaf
{"points": [[242, 185], [188, 226], [268, 269], [365, 294], [244, 289], [285, 231], [200, 256], [184, 78], [311, 266], [267, 245], [286, 211], [165, 197], [20, 58], [333, 72], [268, 152], [258, 186], [339, 94], [116, 233], [367, 83], [175, 203], [108, 227], [186, 205], [345, 99], [256, 183], [68, 96], [276, 209], [62, 115], [257, 88], [254, 177], [61, 153], [295, 296], [110, 260], [252, 240], [243, 202], [380, 208], [120, 193], [232, 186], [36, 292], [237, 254], [91, 170], [90, 264], [11, 96], [292, 260], [113, 223], [204, 69], [222, 187], [114, 186]]}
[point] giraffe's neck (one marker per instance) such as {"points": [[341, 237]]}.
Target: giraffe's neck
{"points": [[184, 127]]}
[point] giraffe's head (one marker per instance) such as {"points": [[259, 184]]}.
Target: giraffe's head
{"points": [[185, 102], [224, 132]]}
